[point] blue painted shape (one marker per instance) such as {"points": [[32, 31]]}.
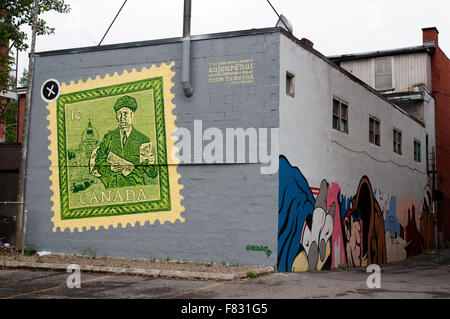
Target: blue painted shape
{"points": [[345, 205], [295, 203], [391, 223]]}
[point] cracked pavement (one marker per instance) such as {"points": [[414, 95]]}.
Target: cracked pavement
{"points": [[426, 276]]}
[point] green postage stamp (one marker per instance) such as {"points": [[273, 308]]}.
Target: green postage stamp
{"points": [[112, 151]]}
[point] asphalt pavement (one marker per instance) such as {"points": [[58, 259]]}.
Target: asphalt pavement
{"points": [[425, 276]]}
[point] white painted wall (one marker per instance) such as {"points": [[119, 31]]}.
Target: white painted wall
{"points": [[309, 142]]}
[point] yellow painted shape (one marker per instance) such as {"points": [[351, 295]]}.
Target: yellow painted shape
{"points": [[84, 224], [300, 263]]}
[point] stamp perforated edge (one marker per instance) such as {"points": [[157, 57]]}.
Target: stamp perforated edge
{"points": [[164, 71]]}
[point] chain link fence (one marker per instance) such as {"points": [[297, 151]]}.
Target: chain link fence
{"points": [[11, 225]]}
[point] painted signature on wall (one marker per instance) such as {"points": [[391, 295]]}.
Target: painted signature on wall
{"points": [[265, 249]]}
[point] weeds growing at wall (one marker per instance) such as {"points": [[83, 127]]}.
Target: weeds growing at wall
{"points": [[251, 274], [28, 251], [89, 252]]}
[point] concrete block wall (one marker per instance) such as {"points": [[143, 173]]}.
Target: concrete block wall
{"points": [[228, 208]]}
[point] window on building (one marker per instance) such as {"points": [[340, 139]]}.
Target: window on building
{"points": [[397, 141], [340, 116], [374, 131], [417, 151], [290, 84], [383, 73]]}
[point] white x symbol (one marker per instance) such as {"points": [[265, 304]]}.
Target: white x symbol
{"points": [[50, 91]]}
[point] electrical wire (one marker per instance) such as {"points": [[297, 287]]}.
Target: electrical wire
{"points": [[83, 31], [279, 16], [113, 21]]}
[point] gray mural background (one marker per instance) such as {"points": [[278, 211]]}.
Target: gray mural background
{"points": [[227, 207]]}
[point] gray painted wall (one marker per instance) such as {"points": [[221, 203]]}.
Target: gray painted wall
{"points": [[227, 207]]}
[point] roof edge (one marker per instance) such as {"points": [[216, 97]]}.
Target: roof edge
{"points": [[426, 48], [348, 74], [430, 28], [136, 44]]}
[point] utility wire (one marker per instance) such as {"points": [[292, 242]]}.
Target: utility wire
{"points": [[83, 31], [113, 21], [279, 17]]}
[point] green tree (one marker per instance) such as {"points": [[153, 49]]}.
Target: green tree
{"points": [[13, 15], [23, 79], [8, 116], [12, 82]]}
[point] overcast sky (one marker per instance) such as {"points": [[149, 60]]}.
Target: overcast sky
{"points": [[335, 27]]}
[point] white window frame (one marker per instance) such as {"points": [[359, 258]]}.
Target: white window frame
{"points": [[417, 159], [375, 74], [375, 133], [342, 123], [397, 143]]}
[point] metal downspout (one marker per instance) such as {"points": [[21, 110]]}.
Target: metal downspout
{"points": [[186, 59]]}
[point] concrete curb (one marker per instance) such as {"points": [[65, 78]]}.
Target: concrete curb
{"points": [[155, 273]]}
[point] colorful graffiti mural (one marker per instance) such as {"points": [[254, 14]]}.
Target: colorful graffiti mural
{"points": [[330, 230]]}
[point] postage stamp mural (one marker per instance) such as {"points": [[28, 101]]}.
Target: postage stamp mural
{"points": [[111, 151]]}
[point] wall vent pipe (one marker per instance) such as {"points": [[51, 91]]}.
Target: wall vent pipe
{"points": [[186, 59]]}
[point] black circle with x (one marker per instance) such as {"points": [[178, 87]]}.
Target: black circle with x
{"points": [[50, 90]]}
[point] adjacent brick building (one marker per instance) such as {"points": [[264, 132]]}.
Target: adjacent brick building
{"points": [[440, 71]]}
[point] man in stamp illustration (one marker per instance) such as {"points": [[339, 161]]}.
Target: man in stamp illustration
{"points": [[109, 145], [124, 156]]}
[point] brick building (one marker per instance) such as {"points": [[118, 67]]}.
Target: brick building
{"points": [[440, 71]]}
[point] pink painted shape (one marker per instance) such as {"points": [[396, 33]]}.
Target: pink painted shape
{"points": [[337, 243]]}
